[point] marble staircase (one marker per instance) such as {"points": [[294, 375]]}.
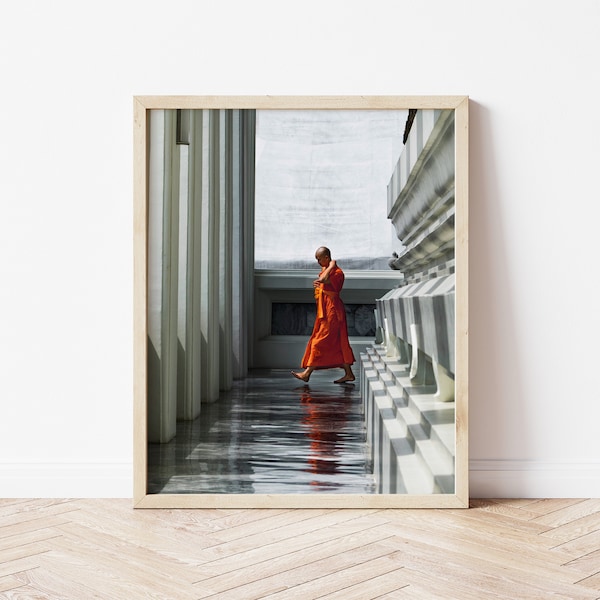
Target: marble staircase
{"points": [[410, 434]]}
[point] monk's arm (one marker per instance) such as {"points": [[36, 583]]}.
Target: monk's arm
{"points": [[324, 276]]}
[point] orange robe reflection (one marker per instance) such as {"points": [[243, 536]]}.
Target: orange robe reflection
{"points": [[328, 345], [324, 421]]}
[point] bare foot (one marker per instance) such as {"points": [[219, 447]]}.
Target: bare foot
{"points": [[300, 376], [345, 379]]}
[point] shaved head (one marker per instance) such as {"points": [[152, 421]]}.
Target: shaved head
{"points": [[323, 251]]}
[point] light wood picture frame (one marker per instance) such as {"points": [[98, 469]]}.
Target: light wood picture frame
{"points": [[143, 107]]}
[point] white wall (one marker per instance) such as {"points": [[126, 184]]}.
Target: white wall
{"points": [[69, 71]]}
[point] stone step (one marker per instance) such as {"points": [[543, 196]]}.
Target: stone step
{"points": [[436, 418], [420, 429], [409, 474]]}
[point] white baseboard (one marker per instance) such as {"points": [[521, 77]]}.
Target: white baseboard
{"points": [[487, 479], [66, 480], [533, 479]]}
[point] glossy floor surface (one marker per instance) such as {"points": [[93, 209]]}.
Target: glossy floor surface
{"points": [[270, 434]]}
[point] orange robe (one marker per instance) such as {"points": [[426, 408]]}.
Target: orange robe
{"points": [[328, 345]]}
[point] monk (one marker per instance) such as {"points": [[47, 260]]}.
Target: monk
{"points": [[328, 346]]}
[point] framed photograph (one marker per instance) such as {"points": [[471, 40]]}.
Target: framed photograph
{"points": [[301, 302]]}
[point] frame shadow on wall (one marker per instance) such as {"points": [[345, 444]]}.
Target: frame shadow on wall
{"points": [[422, 325]]}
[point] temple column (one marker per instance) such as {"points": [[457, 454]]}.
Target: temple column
{"points": [[200, 261], [242, 176], [183, 339], [225, 250], [163, 227], [190, 333], [209, 277]]}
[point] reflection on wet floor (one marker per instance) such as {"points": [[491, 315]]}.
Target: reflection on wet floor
{"points": [[269, 435]]}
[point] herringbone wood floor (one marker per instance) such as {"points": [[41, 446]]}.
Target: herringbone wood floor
{"points": [[517, 549]]}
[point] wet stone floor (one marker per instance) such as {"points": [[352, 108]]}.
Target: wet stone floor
{"points": [[270, 434]]}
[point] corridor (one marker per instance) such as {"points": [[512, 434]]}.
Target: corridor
{"points": [[269, 434]]}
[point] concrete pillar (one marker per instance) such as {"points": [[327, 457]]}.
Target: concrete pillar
{"points": [[238, 339], [248, 199], [242, 175], [217, 253], [190, 333], [200, 260], [163, 226], [225, 250], [183, 339], [209, 284]]}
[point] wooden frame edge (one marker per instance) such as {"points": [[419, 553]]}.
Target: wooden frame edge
{"points": [[461, 116], [300, 501], [300, 102], [140, 253]]}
